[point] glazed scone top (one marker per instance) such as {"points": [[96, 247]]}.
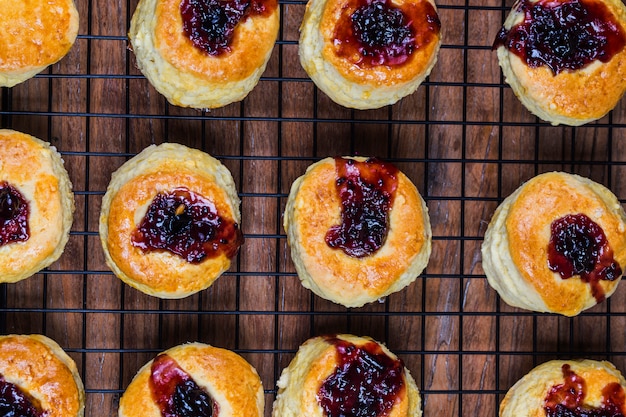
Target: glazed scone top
{"points": [[33, 35], [39, 367], [569, 97], [228, 379]]}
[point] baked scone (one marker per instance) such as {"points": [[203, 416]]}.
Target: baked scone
{"points": [[565, 60], [204, 54], [366, 54], [341, 375], [36, 205], [37, 378], [33, 35], [357, 228], [169, 223], [196, 380], [557, 244], [567, 388]]}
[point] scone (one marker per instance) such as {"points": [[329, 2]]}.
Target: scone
{"points": [[37, 378], [567, 388], [357, 228], [36, 205], [346, 375], [204, 54], [565, 60], [169, 223], [33, 35], [366, 54], [194, 379], [557, 244]]}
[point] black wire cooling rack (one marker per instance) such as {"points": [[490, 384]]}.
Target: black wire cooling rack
{"points": [[463, 138]]}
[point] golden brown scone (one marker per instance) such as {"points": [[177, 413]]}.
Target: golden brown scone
{"points": [[229, 384], [557, 387], [305, 386], [517, 255], [41, 195], [563, 91], [33, 35], [42, 372], [190, 177], [314, 207], [362, 67], [199, 76]]}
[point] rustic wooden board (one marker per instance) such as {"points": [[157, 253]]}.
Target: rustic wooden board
{"points": [[463, 138]]}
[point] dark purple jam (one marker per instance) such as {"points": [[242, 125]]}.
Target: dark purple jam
{"points": [[578, 246], [176, 393], [567, 399], [15, 403], [366, 190], [380, 33], [14, 213], [366, 383], [563, 34], [210, 24], [188, 225]]}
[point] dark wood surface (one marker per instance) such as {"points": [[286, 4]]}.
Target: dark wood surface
{"points": [[463, 138]]}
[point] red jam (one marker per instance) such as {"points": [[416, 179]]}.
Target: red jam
{"points": [[578, 246], [176, 393], [563, 34], [15, 403], [366, 382], [567, 399], [366, 190], [186, 224], [210, 24], [380, 33], [14, 213]]}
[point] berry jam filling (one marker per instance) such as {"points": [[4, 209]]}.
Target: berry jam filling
{"points": [[366, 382], [176, 393], [14, 213], [186, 224], [380, 33], [210, 24], [563, 35], [578, 246], [15, 403], [567, 399], [366, 190]]}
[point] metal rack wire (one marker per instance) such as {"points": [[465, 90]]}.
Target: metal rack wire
{"points": [[463, 138]]}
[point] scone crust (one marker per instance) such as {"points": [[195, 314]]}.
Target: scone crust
{"points": [[231, 381], [131, 190], [315, 361], [46, 187], [33, 35], [571, 97], [40, 367], [189, 77], [515, 255], [346, 83], [526, 397]]}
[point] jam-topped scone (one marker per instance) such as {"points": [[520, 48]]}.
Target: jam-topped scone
{"points": [[170, 219], [577, 388], [346, 375], [565, 59], [204, 53], [38, 379], [357, 228], [194, 380], [366, 54], [557, 244], [33, 35], [36, 205]]}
